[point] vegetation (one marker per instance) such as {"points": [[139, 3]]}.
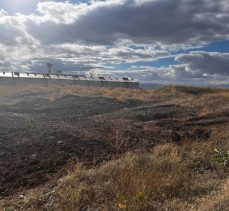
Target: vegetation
{"points": [[169, 177], [191, 175]]}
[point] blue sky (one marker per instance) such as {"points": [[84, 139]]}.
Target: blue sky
{"points": [[158, 41], [219, 46]]}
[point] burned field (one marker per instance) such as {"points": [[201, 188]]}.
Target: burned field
{"points": [[41, 133], [38, 138]]}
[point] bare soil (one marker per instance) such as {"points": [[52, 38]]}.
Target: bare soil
{"points": [[39, 138]]}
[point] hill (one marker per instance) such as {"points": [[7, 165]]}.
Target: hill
{"points": [[65, 147]]}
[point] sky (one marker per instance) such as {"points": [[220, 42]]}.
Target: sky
{"points": [[156, 41]]}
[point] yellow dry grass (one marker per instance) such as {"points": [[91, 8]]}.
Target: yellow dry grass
{"points": [[169, 177]]}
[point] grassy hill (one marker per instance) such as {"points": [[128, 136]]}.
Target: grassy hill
{"points": [[73, 148]]}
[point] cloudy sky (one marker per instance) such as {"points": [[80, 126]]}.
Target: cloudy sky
{"points": [[159, 41]]}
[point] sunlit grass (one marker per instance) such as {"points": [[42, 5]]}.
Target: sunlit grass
{"points": [[188, 176]]}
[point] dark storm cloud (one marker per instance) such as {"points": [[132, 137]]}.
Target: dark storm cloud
{"points": [[166, 21], [200, 64]]}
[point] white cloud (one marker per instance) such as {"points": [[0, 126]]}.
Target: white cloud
{"points": [[99, 34], [61, 12]]}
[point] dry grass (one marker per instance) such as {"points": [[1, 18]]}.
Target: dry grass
{"points": [[169, 177], [191, 96]]}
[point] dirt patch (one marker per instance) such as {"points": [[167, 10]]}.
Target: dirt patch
{"points": [[39, 137]]}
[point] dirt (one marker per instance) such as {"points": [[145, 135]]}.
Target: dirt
{"points": [[39, 137]]}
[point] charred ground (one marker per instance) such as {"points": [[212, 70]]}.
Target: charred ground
{"points": [[45, 129]]}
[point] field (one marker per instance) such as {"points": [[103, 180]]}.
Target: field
{"points": [[69, 148]]}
